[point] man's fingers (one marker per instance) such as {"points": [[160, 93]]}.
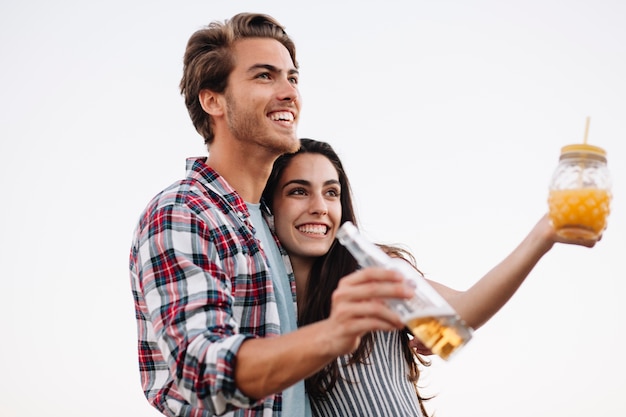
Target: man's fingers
{"points": [[372, 283]]}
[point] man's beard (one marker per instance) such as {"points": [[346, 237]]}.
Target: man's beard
{"points": [[244, 127]]}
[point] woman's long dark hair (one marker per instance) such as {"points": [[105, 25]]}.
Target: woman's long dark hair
{"points": [[328, 269]]}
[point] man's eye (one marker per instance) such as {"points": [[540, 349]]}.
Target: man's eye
{"points": [[293, 80]]}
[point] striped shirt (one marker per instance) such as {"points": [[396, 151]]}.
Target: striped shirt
{"points": [[201, 286], [380, 387]]}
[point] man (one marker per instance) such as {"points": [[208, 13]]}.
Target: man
{"points": [[214, 292]]}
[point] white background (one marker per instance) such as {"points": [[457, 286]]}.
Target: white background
{"points": [[449, 116]]}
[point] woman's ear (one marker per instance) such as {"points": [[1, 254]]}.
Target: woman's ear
{"points": [[211, 102]]}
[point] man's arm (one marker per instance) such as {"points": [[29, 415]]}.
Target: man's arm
{"points": [[266, 366]]}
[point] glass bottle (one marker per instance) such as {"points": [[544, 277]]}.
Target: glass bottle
{"points": [[427, 315], [580, 192]]}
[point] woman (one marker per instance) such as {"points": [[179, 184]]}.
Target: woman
{"points": [[309, 194]]}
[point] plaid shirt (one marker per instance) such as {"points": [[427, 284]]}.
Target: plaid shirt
{"points": [[201, 286]]}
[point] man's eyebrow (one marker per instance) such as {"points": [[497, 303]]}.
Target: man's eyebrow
{"points": [[272, 68]]}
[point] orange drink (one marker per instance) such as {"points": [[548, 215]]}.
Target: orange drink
{"points": [[579, 212], [580, 192]]}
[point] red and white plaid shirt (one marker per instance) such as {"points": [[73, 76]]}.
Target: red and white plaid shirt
{"points": [[201, 286]]}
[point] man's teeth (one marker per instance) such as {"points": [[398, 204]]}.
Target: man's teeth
{"points": [[283, 115], [316, 229]]}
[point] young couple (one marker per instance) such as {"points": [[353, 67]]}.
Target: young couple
{"points": [[225, 325]]}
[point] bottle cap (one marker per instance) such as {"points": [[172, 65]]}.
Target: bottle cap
{"points": [[583, 147]]}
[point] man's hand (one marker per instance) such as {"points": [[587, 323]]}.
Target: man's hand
{"points": [[269, 365], [358, 306]]}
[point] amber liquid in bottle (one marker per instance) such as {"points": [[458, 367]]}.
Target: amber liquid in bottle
{"points": [[439, 334]]}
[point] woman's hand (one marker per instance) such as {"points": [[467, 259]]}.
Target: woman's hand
{"points": [[419, 347]]}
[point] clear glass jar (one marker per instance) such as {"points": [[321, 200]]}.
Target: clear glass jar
{"points": [[580, 192]]}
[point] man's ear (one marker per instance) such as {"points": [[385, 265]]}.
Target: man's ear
{"points": [[211, 102]]}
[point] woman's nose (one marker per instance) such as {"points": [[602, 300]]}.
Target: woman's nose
{"points": [[319, 206]]}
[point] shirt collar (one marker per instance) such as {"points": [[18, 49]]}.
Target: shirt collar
{"points": [[198, 170]]}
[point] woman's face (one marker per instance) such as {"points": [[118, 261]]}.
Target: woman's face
{"points": [[307, 206]]}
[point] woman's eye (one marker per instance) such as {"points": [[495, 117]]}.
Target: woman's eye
{"points": [[297, 191], [333, 193]]}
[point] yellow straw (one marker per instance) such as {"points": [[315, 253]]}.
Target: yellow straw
{"points": [[582, 164]]}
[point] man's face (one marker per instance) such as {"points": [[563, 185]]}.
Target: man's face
{"points": [[262, 97]]}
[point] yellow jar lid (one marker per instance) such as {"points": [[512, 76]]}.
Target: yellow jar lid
{"points": [[583, 147]]}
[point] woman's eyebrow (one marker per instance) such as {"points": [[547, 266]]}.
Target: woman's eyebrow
{"points": [[308, 183], [297, 181]]}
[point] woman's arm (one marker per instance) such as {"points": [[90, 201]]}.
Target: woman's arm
{"points": [[480, 302]]}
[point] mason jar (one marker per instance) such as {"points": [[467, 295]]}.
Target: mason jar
{"points": [[580, 192]]}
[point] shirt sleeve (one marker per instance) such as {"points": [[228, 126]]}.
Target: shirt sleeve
{"points": [[189, 299]]}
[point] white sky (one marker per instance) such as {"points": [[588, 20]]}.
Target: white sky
{"points": [[449, 116]]}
